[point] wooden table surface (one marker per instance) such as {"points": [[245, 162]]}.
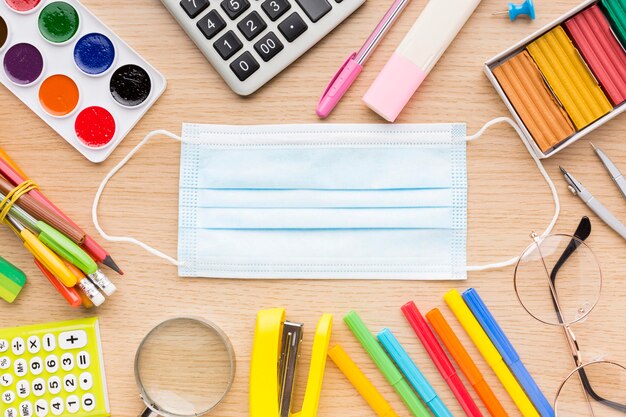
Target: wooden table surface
{"points": [[507, 200]]}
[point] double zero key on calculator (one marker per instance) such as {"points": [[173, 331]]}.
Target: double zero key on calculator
{"points": [[250, 25]]}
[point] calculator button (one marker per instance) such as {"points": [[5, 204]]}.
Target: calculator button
{"points": [[4, 345], [41, 408], [275, 8], [26, 409], [57, 406], [88, 402], [292, 27], [54, 385], [8, 397], [18, 346], [86, 381], [20, 367], [234, 8], [10, 412], [252, 25], [67, 362], [23, 388], [52, 364], [244, 66], [74, 339], [49, 342], [211, 24], [5, 362], [194, 7], [83, 359], [6, 380], [69, 383], [34, 344], [315, 9], [268, 46], [36, 365], [228, 45], [39, 387], [72, 404]]}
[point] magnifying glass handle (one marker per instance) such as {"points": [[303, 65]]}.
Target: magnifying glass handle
{"points": [[148, 413]]}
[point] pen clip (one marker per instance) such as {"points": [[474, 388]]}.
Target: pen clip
{"points": [[337, 74]]}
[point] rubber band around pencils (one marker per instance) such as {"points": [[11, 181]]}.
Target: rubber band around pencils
{"points": [[12, 197]]}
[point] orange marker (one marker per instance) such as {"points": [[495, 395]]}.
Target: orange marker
{"points": [[70, 294], [465, 362]]}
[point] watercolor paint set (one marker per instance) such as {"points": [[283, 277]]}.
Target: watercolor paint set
{"points": [[568, 78], [75, 73]]}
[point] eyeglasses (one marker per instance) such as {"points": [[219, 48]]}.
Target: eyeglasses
{"points": [[558, 281]]}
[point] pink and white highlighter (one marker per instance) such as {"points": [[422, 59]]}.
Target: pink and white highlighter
{"points": [[429, 37]]}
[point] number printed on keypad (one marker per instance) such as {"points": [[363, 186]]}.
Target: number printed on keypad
{"points": [[234, 8], [244, 66], [275, 8], [48, 370], [228, 45], [252, 25], [211, 24], [268, 46]]}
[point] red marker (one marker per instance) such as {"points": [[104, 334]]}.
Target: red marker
{"points": [[439, 358], [71, 295]]}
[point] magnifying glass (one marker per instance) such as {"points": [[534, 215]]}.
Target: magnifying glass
{"points": [[184, 367]]}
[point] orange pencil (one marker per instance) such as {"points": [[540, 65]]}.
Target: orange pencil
{"points": [[465, 362]]}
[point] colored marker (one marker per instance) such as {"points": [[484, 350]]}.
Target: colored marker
{"points": [[465, 362], [489, 353], [363, 385], [508, 352], [412, 373], [384, 364], [439, 358], [12, 280]]}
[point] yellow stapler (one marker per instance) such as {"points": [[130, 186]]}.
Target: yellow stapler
{"points": [[273, 365]]}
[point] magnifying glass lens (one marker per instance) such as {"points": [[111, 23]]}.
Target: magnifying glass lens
{"points": [[184, 367]]}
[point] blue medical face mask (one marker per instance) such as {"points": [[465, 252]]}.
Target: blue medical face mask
{"points": [[320, 201]]}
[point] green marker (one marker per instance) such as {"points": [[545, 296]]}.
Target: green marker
{"points": [[12, 280], [384, 364]]}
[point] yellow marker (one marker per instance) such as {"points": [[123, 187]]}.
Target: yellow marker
{"points": [[7, 158], [489, 352], [363, 385]]}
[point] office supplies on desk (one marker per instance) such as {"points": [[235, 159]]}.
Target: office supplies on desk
{"points": [[53, 369], [384, 364], [273, 364], [184, 367], [363, 385], [489, 353], [250, 42], [507, 351], [577, 189], [612, 169], [76, 74], [439, 358], [55, 216], [412, 373], [465, 363], [70, 294], [12, 280], [558, 281], [583, 70], [353, 65], [417, 54], [526, 8]]}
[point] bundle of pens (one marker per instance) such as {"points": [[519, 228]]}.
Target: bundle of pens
{"points": [[66, 255]]}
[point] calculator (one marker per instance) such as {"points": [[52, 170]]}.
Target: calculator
{"points": [[248, 42], [53, 369]]}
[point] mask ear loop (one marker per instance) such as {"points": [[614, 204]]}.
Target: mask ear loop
{"points": [[96, 200], [542, 170]]}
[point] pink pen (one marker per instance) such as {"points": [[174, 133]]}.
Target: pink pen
{"points": [[352, 67]]}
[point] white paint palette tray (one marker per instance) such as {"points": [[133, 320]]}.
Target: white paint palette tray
{"points": [[75, 73]]}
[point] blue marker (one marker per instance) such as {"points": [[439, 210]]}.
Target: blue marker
{"points": [[506, 349], [419, 383]]}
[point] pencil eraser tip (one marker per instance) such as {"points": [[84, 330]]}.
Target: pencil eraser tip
{"points": [[393, 87]]}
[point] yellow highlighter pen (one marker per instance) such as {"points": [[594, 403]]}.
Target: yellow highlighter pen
{"points": [[363, 385], [489, 353], [42, 253]]}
